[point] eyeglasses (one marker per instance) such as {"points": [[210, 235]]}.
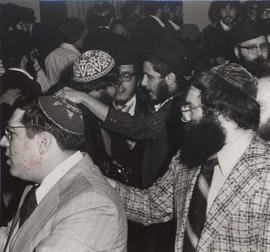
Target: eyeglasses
{"points": [[254, 48], [8, 131], [187, 111], [126, 76]]}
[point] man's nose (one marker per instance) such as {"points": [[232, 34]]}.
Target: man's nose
{"points": [[4, 142], [144, 81]]}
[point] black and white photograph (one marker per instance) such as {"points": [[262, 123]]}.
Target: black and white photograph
{"points": [[135, 126]]}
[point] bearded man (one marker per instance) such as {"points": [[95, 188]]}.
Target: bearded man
{"points": [[217, 186], [250, 45]]}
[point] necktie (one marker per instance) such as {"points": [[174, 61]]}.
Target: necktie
{"points": [[28, 205], [198, 205]]}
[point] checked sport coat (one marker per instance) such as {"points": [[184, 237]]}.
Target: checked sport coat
{"points": [[239, 218]]}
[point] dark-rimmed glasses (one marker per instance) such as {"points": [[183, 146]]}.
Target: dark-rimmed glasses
{"points": [[187, 110], [253, 49], [126, 76]]}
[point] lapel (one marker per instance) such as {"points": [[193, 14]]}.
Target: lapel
{"points": [[237, 186], [183, 196], [31, 226]]}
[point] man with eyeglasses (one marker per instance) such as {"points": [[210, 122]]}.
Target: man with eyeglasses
{"points": [[218, 184], [158, 129], [264, 17], [68, 205], [250, 44]]}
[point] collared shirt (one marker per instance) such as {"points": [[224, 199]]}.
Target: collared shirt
{"points": [[59, 59], [22, 71], [224, 26], [56, 174], [158, 20], [228, 157], [158, 106], [128, 107], [174, 25]]}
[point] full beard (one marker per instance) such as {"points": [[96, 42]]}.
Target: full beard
{"points": [[200, 141], [256, 67], [162, 93]]}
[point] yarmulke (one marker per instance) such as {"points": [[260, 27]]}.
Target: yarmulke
{"points": [[237, 76], [63, 113], [92, 65], [243, 31]]}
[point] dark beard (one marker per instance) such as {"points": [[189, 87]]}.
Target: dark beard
{"points": [[162, 93], [264, 131], [200, 141], [257, 67]]}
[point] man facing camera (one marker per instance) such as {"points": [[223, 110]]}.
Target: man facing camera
{"points": [[70, 206]]}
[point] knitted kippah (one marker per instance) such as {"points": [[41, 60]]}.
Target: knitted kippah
{"points": [[63, 113], [92, 65], [238, 77]]}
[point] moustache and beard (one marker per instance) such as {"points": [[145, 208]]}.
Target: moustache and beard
{"points": [[256, 67], [162, 93], [200, 141]]}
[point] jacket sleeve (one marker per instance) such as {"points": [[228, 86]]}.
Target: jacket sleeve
{"points": [[139, 126], [152, 205]]}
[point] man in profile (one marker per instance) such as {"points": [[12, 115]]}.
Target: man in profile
{"points": [[70, 206]]}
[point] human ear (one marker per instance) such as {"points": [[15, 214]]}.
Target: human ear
{"points": [[45, 141], [236, 52]]}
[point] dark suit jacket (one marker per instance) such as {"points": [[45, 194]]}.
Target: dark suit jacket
{"points": [[159, 130]]}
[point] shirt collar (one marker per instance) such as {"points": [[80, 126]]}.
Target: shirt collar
{"points": [[158, 20], [174, 25], [231, 152], [70, 47], [128, 107], [22, 71], [158, 106], [56, 174], [224, 26]]}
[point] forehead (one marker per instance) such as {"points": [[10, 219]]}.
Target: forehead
{"points": [[255, 41], [193, 96], [126, 68], [16, 118]]}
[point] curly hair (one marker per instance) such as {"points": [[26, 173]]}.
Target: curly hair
{"points": [[220, 97]]}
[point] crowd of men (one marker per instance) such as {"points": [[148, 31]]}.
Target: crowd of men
{"points": [[143, 119]]}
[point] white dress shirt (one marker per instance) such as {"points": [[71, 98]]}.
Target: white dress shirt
{"points": [[56, 174], [228, 157], [59, 59]]}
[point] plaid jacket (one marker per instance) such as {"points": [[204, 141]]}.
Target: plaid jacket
{"points": [[239, 218]]}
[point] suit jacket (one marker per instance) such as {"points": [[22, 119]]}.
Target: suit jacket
{"points": [[238, 219], [159, 131], [80, 213]]}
